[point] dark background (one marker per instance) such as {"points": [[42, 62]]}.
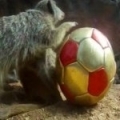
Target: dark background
{"points": [[101, 14]]}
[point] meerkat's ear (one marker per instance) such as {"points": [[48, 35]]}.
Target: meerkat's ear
{"points": [[50, 6], [46, 6]]}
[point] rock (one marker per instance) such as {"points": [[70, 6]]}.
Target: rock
{"points": [[117, 77]]}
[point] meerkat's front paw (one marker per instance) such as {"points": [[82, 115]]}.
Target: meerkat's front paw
{"points": [[72, 24], [69, 25]]}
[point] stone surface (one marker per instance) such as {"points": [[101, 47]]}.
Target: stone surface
{"points": [[107, 109]]}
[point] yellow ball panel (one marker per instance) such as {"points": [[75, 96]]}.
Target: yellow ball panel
{"points": [[79, 34], [76, 79], [83, 99], [90, 55], [110, 64], [59, 71], [88, 99]]}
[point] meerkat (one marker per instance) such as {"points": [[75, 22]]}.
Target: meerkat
{"points": [[25, 40]]}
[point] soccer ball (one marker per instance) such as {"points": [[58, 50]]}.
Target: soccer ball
{"points": [[85, 66]]}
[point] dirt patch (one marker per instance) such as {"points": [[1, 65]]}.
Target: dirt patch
{"points": [[107, 109]]}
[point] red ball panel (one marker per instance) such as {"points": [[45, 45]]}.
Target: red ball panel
{"points": [[67, 93], [68, 53], [100, 38], [98, 82]]}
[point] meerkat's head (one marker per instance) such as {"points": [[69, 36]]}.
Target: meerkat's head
{"points": [[50, 7]]}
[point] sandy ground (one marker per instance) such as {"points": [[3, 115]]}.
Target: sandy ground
{"points": [[107, 109]]}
